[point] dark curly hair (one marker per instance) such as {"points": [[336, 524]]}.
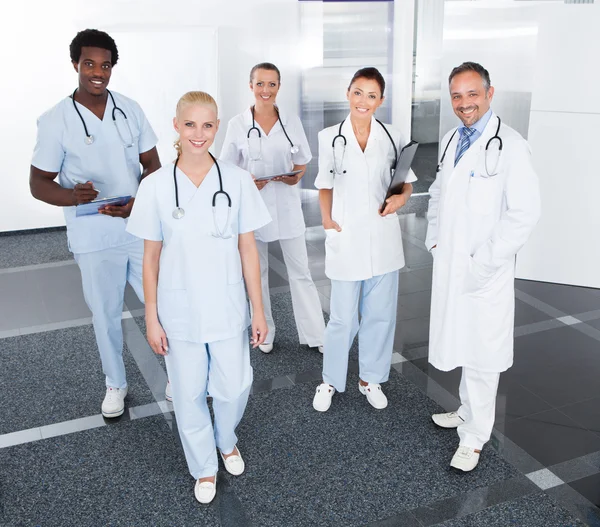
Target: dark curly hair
{"points": [[93, 38]]}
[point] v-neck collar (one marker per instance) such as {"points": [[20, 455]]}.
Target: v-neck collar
{"points": [[273, 128], [188, 181], [348, 132], [80, 106]]}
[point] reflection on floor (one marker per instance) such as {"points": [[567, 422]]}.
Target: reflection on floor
{"points": [[63, 464]]}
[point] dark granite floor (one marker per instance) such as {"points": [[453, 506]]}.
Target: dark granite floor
{"points": [[350, 466]]}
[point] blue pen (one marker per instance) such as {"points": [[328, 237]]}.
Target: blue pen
{"points": [[472, 173]]}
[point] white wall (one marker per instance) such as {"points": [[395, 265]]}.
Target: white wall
{"points": [[171, 40], [402, 85], [564, 133], [502, 36]]}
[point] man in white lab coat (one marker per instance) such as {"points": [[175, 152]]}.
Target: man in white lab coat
{"points": [[484, 204]]}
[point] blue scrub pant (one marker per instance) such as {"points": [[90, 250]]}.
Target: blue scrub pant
{"points": [[104, 275], [376, 300], [223, 369]]}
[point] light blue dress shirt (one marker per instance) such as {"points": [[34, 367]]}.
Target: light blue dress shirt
{"points": [[479, 127], [112, 167]]}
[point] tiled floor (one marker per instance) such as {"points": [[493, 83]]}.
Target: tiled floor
{"points": [[63, 464]]}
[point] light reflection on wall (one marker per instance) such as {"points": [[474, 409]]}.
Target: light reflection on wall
{"points": [[348, 36]]}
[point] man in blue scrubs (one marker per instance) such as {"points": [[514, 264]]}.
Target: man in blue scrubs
{"points": [[95, 141]]}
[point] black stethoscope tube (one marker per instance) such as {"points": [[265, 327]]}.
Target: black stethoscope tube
{"points": [[113, 114], [215, 195], [495, 136], [341, 136], [254, 127]]}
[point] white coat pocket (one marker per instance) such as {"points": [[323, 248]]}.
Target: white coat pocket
{"points": [[479, 277], [332, 240], [483, 194]]}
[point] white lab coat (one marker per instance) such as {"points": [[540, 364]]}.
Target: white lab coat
{"points": [[478, 225], [282, 200], [200, 296], [368, 245]]}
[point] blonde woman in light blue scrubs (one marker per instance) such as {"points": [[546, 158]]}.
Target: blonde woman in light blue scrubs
{"points": [[197, 217]]}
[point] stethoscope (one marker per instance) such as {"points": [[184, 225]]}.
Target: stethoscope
{"points": [[495, 137], [89, 138], [338, 169], [293, 148], [179, 212]]}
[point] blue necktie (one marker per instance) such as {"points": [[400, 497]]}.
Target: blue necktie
{"points": [[465, 143]]}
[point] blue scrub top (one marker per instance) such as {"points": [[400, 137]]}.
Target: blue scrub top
{"points": [[200, 296], [112, 167]]}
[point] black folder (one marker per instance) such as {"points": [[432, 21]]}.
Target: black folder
{"points": [[405, 159]]}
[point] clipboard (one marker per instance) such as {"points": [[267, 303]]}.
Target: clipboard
{"points": [[285, 174], [405, 159], [91, 208]]}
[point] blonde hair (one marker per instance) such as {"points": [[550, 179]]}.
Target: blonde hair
{"points": [[193, 97]]}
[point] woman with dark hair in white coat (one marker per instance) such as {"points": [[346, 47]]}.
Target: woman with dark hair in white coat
{"points": [[364, 244]]}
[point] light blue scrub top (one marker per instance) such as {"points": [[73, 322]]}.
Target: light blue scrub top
{"points": [[113, 168], [201, 296]]}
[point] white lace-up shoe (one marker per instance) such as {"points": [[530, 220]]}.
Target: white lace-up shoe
{"points": [[449, 420], [323, 396], [375, 395], [465, 459], [234, 464], [114, 402], [168, 393], [205, 491], [265, 348]]}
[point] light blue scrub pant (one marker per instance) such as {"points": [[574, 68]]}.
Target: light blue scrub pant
{"points": [[104, 275], [376, 299], [223, 369]]}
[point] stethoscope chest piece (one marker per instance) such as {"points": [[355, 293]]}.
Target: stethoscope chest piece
{"points": [[178, 213], [89, 139], [294, 149]]}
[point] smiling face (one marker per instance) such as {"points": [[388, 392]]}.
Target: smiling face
{"points": [[94, 69], [364, 96], [470, 101], [265, 85], [197, 124]]}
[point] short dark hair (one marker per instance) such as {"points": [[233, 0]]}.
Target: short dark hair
{"points": [[265, 66], [372, 74], [472, 66], [93, 38]]}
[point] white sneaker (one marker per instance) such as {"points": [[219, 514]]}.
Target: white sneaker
{"points": [[449, 420], [234, 464], [465, 458], [114, 402], [322, 399], [321, 350], [265, 348], [168, 393], [374, 394], [205, 491]]}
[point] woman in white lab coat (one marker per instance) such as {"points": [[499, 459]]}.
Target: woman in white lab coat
{"points": [[266, 141], [197, 217], [363, 247]]}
